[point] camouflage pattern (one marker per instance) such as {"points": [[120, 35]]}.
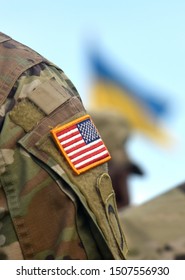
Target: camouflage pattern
{"points": [[155, 229], [47, 212]]}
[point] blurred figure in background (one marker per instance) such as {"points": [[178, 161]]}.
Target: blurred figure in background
{"points": [[116, 132]]}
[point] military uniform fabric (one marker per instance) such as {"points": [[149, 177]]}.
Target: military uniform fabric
{"points": [[155, 229], [47, 212]]}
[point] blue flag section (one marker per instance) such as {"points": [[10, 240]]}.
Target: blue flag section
{"points": [[115, 91]]}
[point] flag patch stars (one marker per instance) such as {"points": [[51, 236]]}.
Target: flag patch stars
{"points": [[81, 144]]}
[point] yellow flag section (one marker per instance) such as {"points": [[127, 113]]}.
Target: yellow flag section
{"points": [[106, 95]]}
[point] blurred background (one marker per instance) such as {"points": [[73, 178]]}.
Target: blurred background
{"points": [[137, 45]]}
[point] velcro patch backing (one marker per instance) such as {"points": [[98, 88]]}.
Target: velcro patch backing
{"points": [[26, 115]]}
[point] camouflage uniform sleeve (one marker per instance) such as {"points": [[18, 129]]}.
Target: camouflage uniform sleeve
{"points": [[46, 211]]}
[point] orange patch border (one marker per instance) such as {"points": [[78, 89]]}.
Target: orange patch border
{"points": [[57, 129]]}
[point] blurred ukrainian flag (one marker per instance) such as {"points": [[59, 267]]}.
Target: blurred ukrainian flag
{"points": [[115, 92]]}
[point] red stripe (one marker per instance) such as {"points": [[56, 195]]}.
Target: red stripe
{"points": [[65, 130], [89, 156], [69, 136], [86, 150], [75, 148], [92, 161], [72, 142]]}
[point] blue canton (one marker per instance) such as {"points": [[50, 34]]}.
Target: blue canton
{"points": [[88, 131]]}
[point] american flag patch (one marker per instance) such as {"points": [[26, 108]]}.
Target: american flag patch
{"points": [[81, 144]]}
